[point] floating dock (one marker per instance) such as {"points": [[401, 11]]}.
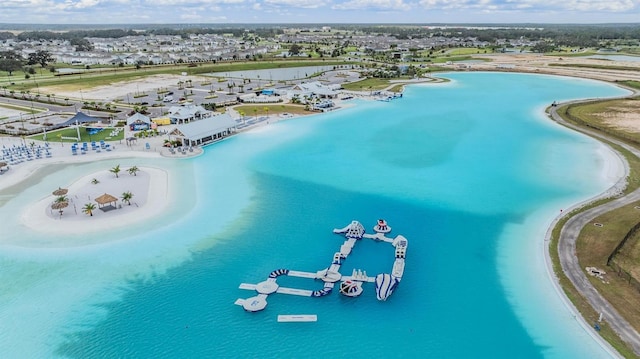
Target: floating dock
{"points": [[298, 318], [350, 285]]}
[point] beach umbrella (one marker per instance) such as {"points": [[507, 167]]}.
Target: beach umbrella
{"points": [[2, 164], [60, 206], [59, 191]]}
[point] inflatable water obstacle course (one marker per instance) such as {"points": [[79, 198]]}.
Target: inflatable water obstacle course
{"points": [[350, 285]]}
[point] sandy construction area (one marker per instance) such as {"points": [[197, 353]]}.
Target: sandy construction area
{"points": [[558, 65], [625, 117], [122, 88]]}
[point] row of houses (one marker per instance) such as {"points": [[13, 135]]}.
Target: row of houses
{"points": [[146, 49]]}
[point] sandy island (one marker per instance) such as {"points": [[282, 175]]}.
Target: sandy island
{"points": [[150, 197]]}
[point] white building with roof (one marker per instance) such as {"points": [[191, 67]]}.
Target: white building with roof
{"points": [[207, 130], [187, 113], [138, 121], [313, 89]]}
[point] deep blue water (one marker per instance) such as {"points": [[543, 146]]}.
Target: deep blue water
{"points": [[189, 313]]}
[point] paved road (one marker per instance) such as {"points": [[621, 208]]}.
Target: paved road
{"points": [[567, 249]]}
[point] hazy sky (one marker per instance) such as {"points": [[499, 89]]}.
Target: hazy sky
{"points": [[318, 11]]}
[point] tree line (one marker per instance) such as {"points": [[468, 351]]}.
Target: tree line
{"points": [[11, 61], [75, 35]]}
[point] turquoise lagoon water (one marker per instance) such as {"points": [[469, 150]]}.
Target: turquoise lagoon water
{"points": [[469, 171]]}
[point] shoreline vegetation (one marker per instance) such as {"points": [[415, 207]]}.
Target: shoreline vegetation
{"points": [[617, 287]]}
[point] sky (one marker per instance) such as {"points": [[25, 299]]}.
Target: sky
{"points": [[317, 11]]}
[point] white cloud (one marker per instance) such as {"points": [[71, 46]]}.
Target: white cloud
{"points": [[455, 4], [373, 5], [531, 5], [83, 4], [305, 4], [599, 5], [24, 3], [192, 2]]}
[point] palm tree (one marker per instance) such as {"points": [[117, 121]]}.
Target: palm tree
{"points": [[61, 199], [266, 110], [115, 170], [133, 170], [127, 196], [89, 208]]}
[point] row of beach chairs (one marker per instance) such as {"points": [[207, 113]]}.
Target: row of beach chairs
{"points": [[16, 154], [84, 148]]}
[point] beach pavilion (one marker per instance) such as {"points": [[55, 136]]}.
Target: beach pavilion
{"points": [[205, 131], [106, 202], [187, 113]]}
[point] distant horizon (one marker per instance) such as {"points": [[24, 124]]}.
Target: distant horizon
{"points": [[4, 26], [157, 12]]}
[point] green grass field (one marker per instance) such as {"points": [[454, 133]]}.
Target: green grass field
{"points": [[57, 135], [270, 109], [464, 51], [370, 84]]}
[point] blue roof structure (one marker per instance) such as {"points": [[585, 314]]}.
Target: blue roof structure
{"points": [[79, 118]]}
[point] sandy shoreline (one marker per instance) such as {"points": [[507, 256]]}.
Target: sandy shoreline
{"points": [[150, 197]]}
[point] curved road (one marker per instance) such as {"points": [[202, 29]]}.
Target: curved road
{"points": [[567, 247]]}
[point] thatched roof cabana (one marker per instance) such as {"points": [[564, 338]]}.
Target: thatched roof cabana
{"points": [[60, 205], [59, 191], [106, 199]]}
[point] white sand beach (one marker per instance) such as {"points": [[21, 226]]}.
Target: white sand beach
{"points": [[150, 197], [149, 188]]}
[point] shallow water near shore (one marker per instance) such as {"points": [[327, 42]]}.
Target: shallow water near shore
{"points": [[469, 171]]}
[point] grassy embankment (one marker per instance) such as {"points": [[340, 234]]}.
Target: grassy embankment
{"points": [[595, 244], [271, 109]]}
